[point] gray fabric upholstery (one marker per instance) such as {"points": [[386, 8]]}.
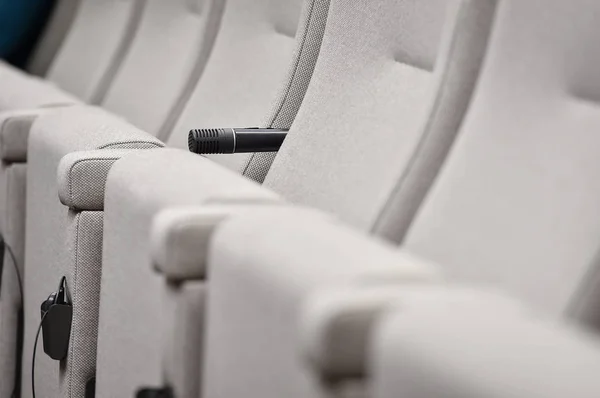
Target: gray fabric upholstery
{"points": [[392, 102], [429, 350], [516, 203], [309, 36], [129, 209], [46, 258], [82, 177], [84, 233]]}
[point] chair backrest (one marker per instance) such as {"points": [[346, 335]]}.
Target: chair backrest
{"points": [[385, 102], [517, 203], [95, 46], [258, 72], [166, 58]]}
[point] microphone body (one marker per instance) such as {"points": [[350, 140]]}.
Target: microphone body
{"points": [[235, 140]]}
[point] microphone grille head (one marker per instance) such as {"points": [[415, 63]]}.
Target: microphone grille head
{"points": [[205, 141]]}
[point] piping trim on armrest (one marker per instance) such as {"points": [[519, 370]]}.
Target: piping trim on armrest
{"points": [[82, 176]]}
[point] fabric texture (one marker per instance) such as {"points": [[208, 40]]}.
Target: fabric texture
{"points": [[82, 176], [308, 45], [84, 234], [379, 73]]}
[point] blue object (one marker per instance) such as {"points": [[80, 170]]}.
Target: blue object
{"points": [[21, 22]]}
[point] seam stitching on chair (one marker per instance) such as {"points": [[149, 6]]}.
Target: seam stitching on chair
{"points": [[112, 144], [71, 362], [294, 74], [303, 44], [107, 146]]}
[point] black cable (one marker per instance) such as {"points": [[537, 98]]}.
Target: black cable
{"points": [[37, 335], [16, 267], [20, 326]]}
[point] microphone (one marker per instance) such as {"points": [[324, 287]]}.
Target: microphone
{"points": [[235, 140]]}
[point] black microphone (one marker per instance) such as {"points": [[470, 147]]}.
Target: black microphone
{"points": [[235, 140]]}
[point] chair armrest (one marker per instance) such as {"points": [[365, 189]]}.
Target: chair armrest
{"points": [[181, 236], [14, 132], [184, 179], [82, 128], [338, 323], [426, 350], [82, 177]]}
